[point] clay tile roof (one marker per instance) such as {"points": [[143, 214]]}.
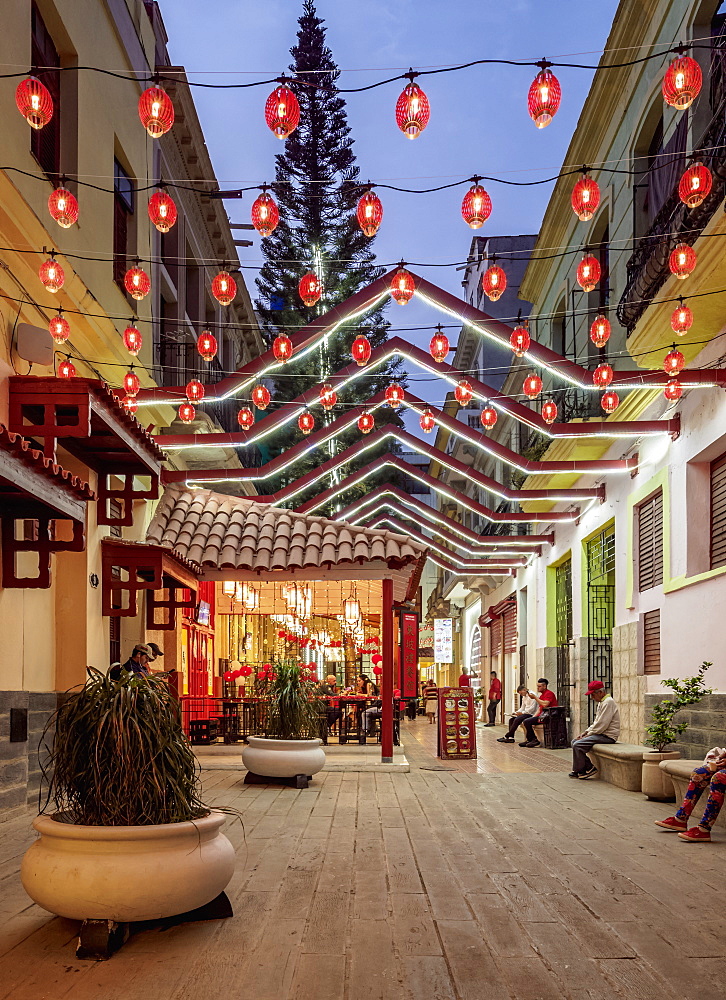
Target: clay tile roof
{"points": [[24, 452]]}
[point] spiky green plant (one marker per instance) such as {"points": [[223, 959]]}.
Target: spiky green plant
{"points": [[114, 754], [294, 707]]}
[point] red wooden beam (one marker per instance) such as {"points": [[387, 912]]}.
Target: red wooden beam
{"points": [[387, 626], [486, 562]]}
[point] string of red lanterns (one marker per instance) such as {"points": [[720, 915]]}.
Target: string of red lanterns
{"points": [[439, 346], [681, 318], [402, 286], [224, 288], [412, 110], [265, 214], [282, 111]]}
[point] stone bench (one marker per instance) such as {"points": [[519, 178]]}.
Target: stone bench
{"points": [[679, 772], [620, 764]]}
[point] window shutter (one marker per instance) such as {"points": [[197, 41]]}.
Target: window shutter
{"points": [[651, 642], [495, 633], [718, 513], [509, 625], [45, 142], [650, 542]]}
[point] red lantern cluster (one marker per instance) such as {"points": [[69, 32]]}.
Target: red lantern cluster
{"points": [[695, 185], [600, 331], [265, 214], [156, 111], [282, 111], [224, 288], [194, 390], [682, 261], [306, 422], [132, 339], [544, 96], [282, 348], [588, 273], [681, 318], [476, 207], [131, 383], [439, 346], [66, 369], [463, 393], [427, 421], [673, 390], [394, 395], [673, 362], [602, 376], [520, 340], [63, 207], [59, 328], [585, 198], [412, 110], [488, 417], [310, 288], [137, 283], [162, 211], [260, 396], [328, 396], [245, 418], [51, 275], [370, 213], [493, 282], [130, 404], [682, 83], [186, 413], [549, 411], [366, 423], [361, 350], [207, 345], [610, 401], [402, 286], [532, 385], [34, 102]]}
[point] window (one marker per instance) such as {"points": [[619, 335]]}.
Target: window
{"points": [[45, 142], [651, 642], [718, 513], [649, 516], [123, 209]]}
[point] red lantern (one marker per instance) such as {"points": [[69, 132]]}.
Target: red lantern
{"points": [[132, 340], [63, 207], [673, 390], [544, 96], [282, 111], [377, 671], [156, 111], [532, 385], [673, 362], [427, 421], [494, 282], [476, 207], [681, 318], [162, 211], [282, 348], [520, 340], [394, 395], [488, 417], [600, 331], [439, 346], [224, 288], [265, 214], [66, 369], [361, 350], [186, 413], [306, 422], [695, 185], [610, 401], [207, 345], [137, 283], [370, 213], [51, 275], [402, 286], [59, 328], [130, 404], [34, 102], [549, 411], [682, 83], [602, 376], [588, 273], [260, 396], [682, 260], [585, 198], [412, 110], [376, 659], [194, 390], [245, 418], [328, 396], [366, 423], [463, 393], [310, 288], [131, 383]]}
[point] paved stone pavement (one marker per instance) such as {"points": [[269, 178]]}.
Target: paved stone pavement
{"points": [[431, 885]]}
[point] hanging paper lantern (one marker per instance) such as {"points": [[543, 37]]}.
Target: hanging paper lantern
{"points": [[260, 396], [602, 376], [394, 395], [370, 213], [361, 350], [59, 328], [194, 390], [588, 273], [549, 411], [544, 96], [532, 385], [695, 185], [132, 340], [245, 418], [328, 396], [610, 401], [366, 423], [427, 421], [488, 417], [224, 288], [600, 330], [682, 260], [585, 198], [131, 383], [162, 211], [156, 111], [681, 318], [377, 671], [306, 422], [66, 369], [673, 362], [265, 214], [63, 207], [402, 286], [186, 413], [682, 83], [137, 283], [130, 404], [207, 345], [412, 111], [520, 340], [476, 207], [310, 288], [282, 347], [282, 111], [34, 102], [673, 390], [51, 275], [493, 282], [463, 393], [439, 346]]}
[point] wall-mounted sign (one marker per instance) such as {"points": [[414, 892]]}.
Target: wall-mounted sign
{"points": [[409, 654], [443, 640]]}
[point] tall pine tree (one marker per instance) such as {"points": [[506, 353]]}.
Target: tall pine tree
{"points": [[317, 188]]}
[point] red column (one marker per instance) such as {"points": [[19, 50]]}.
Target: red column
{"points": [[387, 679]]}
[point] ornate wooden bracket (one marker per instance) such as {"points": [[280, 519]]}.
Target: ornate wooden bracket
{"points": [[42, 542], [126, 494], [133, 568]]}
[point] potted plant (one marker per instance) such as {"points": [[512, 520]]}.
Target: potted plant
{"points": [[124, 833], [290, 748], [664, 731]]}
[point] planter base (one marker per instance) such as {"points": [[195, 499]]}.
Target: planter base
{"points": [[296, 781]]}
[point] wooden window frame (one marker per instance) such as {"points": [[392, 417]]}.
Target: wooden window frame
{"points": [[649, 530], [45, 143], [651, 642], [123, 210], [717, 506]]}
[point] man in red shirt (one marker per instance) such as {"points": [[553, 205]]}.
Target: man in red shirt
{"points": [[464, 680], [495, 696], [545, 699]]}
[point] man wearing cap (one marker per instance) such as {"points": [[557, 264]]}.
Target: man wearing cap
{"points": [[605, 729], [138, 662]]}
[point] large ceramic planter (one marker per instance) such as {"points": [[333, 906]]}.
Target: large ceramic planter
{"points": [[656, 784], [127, 873], [271, 758]]}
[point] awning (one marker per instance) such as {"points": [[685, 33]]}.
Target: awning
{"points": [[497, 611]]}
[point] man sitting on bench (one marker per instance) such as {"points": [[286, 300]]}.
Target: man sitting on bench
{"points": [[545, 699], [526, 710], [605, 729]]}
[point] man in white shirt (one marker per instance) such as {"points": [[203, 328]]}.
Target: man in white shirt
{"points": [[605, 729], [527, 710]]}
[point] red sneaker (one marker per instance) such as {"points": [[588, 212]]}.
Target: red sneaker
{"points": [[696, 836], [671, 824]]}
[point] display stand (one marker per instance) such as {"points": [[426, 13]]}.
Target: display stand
{"points": [[456, 724]]}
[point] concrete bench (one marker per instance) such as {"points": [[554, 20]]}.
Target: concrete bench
{"points": [[679, 772], [620, 764]]}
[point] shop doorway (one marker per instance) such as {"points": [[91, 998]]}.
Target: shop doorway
{"points": [[601, 608]]}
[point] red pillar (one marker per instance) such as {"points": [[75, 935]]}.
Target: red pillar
{"points": [[387, 680]]}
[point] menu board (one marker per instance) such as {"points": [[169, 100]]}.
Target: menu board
{"points": [[456, 732]]}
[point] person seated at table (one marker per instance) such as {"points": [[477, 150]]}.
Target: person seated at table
{"points": [[329, 689], [364, 685], [712, 776], [527, 708], [545, 699]]}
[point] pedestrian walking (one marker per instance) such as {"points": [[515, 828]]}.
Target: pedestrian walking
{"points": [[605, 729], [712, 776], [431, 699], [495, 697]]}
